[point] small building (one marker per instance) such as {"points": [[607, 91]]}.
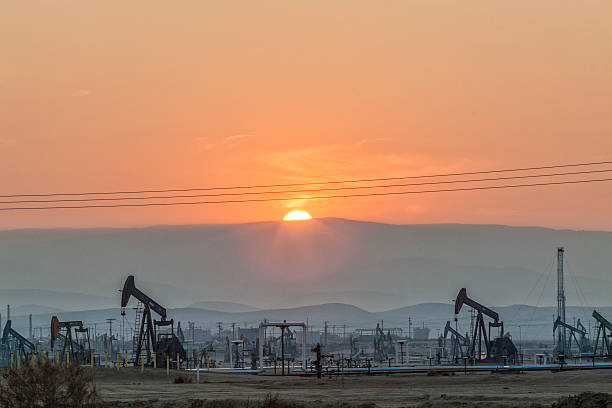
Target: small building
{"points": [[420, 333]]}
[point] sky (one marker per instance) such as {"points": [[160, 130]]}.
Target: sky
{"points": [[98, 96]]}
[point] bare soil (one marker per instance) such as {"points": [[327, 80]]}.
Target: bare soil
{"points": [[131, 388]]}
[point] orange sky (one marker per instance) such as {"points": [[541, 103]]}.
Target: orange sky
{"points": [[146, 94]]}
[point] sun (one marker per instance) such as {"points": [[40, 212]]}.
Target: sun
{"points": [[297, 215]]}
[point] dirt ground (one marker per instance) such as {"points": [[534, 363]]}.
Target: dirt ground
{"points": [[154, 389]]}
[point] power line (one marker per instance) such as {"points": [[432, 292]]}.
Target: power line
{"points": [[305, 191], [388, 193], [364, 180]]}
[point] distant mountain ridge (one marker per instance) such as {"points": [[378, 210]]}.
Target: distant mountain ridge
{"points": [[274, 264], [223, 306], [25, 301], [534, 322]]}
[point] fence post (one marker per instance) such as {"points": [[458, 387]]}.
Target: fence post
{"points": [[105, 358], [118, 360], [68, 359], [142, 364], [167, 364], [11, 359]]}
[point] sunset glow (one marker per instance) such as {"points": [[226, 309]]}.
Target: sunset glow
{"points": [[297, 215], [393, 96]]}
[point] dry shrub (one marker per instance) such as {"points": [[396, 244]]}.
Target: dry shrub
{"points": [[585, 400], [274, 401], [183, 379], [48, 386]]}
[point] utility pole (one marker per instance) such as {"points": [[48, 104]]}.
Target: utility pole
{"points": [[410, 327], [30, 331], [220, 328], [123, 332], [325, 334], [520, 344], [561, 334], [8, 312], [110, 328]]}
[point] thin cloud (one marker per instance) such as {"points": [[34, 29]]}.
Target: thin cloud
{"points": [[234, 138], [334, 161], [373, 140], [229, 141], [80, 93]]}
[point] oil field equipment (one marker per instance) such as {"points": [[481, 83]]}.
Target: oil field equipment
{"points": [[577, 333], [500, 349], [150, 339], [77, 344], [458, 342], [12, 341], [604, 329], [383, 345]]}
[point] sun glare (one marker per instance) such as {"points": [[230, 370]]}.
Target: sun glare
{"points": [[297, 216]]}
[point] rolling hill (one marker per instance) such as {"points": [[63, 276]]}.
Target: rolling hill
{"points": [[273, 264]]}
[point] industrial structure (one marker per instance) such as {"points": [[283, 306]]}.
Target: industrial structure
{"points": [[13, 341], [157, 345], [74, 338], [500, 349], [283, 347], [604, 332], [459, 342]]}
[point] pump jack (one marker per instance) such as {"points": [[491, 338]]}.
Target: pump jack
{"points": [[162, 344], [499, 349], [582, 343], [79, 346], [458, 341], [22, 342], [605, 330]]}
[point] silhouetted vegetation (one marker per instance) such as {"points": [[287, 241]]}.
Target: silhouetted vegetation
{"points": [[48, 386], [183, 379]]}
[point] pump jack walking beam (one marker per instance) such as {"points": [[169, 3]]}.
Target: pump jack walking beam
{"points": [[480, 332], [22, 342], [129, 289], [498, 348], [459, 340], [573, 331], [605, 330], [164, 344]]}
